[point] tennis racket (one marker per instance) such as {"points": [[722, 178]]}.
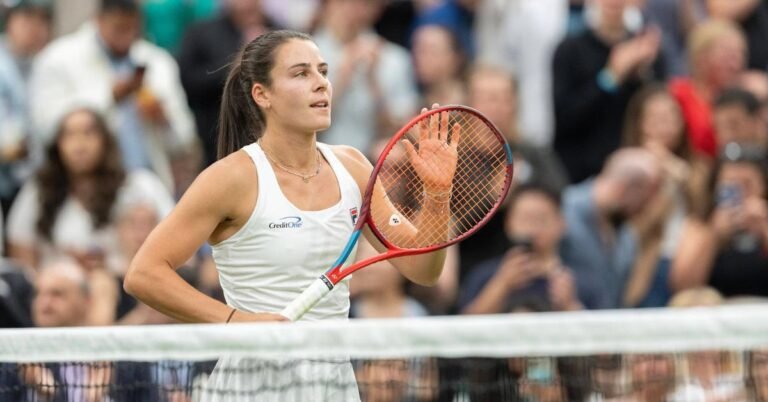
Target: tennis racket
{"points": [[438, 180]]}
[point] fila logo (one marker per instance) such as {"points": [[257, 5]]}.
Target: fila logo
{"points": [[288, 222], [353, 215]]}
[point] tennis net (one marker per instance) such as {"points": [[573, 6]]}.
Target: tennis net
{"points": [[709, 354]]}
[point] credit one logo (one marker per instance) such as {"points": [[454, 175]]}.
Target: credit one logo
{"points": [[288, 222]]}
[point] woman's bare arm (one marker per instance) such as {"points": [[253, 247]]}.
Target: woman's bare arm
{"points": [[214, 204]]}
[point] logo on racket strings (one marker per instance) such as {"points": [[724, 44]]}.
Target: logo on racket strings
{"points": [[353, 215], [395, 220], [288, 222]]}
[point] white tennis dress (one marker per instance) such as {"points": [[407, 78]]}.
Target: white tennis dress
{"points": [[265, 265]]}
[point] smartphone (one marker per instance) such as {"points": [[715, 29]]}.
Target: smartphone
{"points": [[139, 70], [729, 195]]}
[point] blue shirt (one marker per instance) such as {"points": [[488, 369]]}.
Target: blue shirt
{"points": [[601, 269]]}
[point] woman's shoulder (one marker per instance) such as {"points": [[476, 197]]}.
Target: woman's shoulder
{"points": [[354, 161]]}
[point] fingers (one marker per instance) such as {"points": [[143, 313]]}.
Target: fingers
{"points": [[434, 125], [423, 128], [455, 135], [409, 149], [442, 135]]}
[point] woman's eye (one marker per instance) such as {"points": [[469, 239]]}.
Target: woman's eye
{"points": [[301, 74], [324, 73]]}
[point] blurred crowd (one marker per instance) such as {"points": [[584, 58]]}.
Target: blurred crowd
{"points": [[639, 130]]}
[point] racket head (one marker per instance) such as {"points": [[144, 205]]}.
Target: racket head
{"points": [[481, 182]]}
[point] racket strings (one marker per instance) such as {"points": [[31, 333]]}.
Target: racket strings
{"points": [[477, 186]]}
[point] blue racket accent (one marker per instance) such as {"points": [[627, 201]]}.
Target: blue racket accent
{"points": [[509, 153], [347, 250]]}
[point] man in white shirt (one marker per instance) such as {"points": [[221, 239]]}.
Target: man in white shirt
{"points": [[106, 66]]}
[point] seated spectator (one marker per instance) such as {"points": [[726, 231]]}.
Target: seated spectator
{"points": [[654, 122], [596, 72], [134, 83], [530, 272], [600, 245], [717, 52], [739, 220], [68, 209], [439, 62], [493, 92], [738, 119], [28, 28], [456, 15], [374, 90], [752, 16], [654, 377]]}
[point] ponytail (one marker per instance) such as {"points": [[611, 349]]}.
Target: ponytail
{"points": [[241, 122]]}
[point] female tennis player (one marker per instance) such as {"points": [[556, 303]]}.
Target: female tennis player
{"points": [[278, 206]]}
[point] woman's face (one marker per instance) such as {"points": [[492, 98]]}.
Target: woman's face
{"points": [[661, 121], [300, 95], [81, 143], [536, 217], [725, 60], [434, 57]]}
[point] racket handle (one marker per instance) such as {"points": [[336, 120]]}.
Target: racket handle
{"points": [[319, 288]]}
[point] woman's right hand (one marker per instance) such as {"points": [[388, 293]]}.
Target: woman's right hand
{"points": [[245, 316]]}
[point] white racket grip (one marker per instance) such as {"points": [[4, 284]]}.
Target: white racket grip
{"points": [[319, 288]]}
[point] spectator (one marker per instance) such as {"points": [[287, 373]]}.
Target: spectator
{"points": [[599, 245], [756, 82], [133, 82], [654, 121], [530, 272], [717, 53], [439, 64], [373, 81], [520, 36], [595, 74], [653, 378], [737, 119], [711, 379], [675, 19], [206, 49], [456, 15], [68, 208], [752, 16], [493, 92], [739, 220], [28, 30]]}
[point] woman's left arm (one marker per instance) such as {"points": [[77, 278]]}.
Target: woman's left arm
{"points": [[422, 269]]}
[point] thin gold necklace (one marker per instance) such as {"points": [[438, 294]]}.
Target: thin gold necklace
{"points": [[289, 169]]}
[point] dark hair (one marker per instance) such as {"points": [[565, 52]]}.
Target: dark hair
{"points": [[739, 97], [533, 187], [122, 6], [241, 122], [635, 111], [55, 185]]}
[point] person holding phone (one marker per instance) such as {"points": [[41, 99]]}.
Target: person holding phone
{"points": [[106, 66], [530, 274]]}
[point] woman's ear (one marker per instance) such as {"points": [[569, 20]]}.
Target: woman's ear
{"points": [[260, 96]]}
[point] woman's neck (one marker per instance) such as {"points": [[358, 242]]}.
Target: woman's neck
{"points": [[292, 149]]}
